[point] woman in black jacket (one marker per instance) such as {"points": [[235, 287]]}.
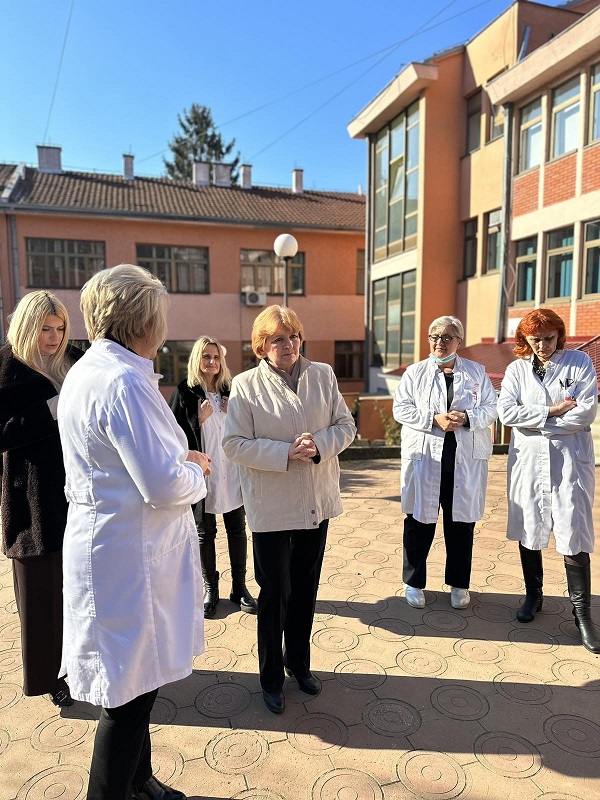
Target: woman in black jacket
{"points": [[33, 365], [200, 404]]}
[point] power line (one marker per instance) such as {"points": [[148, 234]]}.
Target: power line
{"points": [[62, 53]]}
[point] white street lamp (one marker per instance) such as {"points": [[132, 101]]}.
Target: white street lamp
{"points": [[285, 247]]}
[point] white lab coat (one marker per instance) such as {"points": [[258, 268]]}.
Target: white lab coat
{"points": [[421, 395], [551, 459], [133, 616]]}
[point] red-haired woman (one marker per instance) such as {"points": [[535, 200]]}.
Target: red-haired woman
{"points": [[549, 397]]}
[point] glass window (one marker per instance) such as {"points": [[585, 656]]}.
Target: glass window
{"points": [[360, 272], [565, 117], [394, 320], [592, 257], [595, 104], [396, 184], [349, 360], [262, 271], [171, 361], [249, 360], [494, 241], [531, 135], [181, 269], [470, 249], [560, 262], [525, 269], [62, 263], [474, 121], [496, 122]]}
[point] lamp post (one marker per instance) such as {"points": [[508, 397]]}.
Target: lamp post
{"points": [[285, 247]]}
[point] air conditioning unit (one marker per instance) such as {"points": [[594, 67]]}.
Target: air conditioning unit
{"points": [[255, 298]]}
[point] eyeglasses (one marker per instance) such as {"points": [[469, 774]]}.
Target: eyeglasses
{"points": [[445, 337]]}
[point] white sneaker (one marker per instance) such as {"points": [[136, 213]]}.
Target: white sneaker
{"points": [[414, 597], [459, 598]]}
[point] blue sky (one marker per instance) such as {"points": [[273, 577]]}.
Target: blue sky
{"points": [[130, 67]]}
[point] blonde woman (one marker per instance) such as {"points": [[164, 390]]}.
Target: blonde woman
{"points": [[33, 365], [131, 561], [200, 405]]}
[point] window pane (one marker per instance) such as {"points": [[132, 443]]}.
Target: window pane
{"points": [[559, 275], [493, 251], [531, 147], [527, 247], [397, 181], [568, 91], [563, 237], [381, 168], [381, 208], [412, 147], [396, 221], [531, 111], [525, 281], [412, 192], [592, 271], [397, 133], [394, 288], [566, 130], [592, 231]]}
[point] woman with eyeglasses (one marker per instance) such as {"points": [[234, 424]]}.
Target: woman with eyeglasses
{"points": [[286, 425], [549, 397], [200, 407], [446, 405]]}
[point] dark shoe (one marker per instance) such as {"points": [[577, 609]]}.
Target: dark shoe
{"points": [[310, 685], [61, 696], [211, 597], [274, 701], [533, 602], [580, 592], [242, 598], [153, 789]]}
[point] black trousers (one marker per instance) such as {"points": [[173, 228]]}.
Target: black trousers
{"points": [[458, 537], [121, 757], [38, 594], [287, 567], [234, 521]]}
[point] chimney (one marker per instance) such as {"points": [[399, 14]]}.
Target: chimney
{"points": [[49, 158], [222, 174], [246, 176], [297, 181], [201, 173], [128, 167]]}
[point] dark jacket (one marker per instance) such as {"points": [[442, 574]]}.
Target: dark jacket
{"points": [[34, 507]]}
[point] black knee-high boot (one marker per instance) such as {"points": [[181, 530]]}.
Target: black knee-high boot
{"points": [[580, 592], [208, 557], [238, 550], [533, 573]]}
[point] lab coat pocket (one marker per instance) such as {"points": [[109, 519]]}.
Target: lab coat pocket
{"points": [[412, 444], [482, 443]]}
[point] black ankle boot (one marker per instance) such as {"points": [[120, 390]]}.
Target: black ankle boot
{"points": [[242, 598], [533, 574], [580, 592], [208, 558], [211, 595]]}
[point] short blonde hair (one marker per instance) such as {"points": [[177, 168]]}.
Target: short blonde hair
{"points": [[268, 321], [25, 327], [125, 303], [448, 322], [195, 376]]}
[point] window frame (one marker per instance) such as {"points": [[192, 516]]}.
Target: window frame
{"points": [[588, 246], [179, 351], [275, 265], [470, 236], [403, 319], [526, 130], [493, 229], [67, 253], [350, 353], [474, 110], [557, 109], [594, 105], [524, 261], [360, 271], [171, 265], [559, 252]]}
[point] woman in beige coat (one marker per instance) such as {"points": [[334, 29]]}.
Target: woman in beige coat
{"points": [[286, 424]]}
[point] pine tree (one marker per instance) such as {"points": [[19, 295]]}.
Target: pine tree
{"points": [[199, 140]]}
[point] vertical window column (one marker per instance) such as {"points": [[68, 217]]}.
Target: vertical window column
{"points": [[525, 268], [531, 135], [592, 257], [565, 117], [559, 260]]}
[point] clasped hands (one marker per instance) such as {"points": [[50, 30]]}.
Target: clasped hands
{"points": [[450, 421], [201, 459], [303, 448]]}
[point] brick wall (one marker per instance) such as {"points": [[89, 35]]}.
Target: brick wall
{"points": [[590, 179], [588, 318], [525, 192], [559, 180]]}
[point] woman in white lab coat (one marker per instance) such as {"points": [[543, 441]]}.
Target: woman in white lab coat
{"points": [[445, 405], [549, 397], [132, 585]]}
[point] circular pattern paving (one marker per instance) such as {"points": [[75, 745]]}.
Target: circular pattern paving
{"points": [[247, 621], [360, 674], [391, 718], [390, 537], [556, 796], [61, 733], [445, 621], [11, 632], [522, 688], [334, 562], [323, 610], [431, 776], [390, 629], [578, 673], [257, 794], [236, 752], [371, 557], [10, 660], [163, 712], [346, 784], [389, 575], [533, 640], [66, 782], [213, 628], [11, 607], [479, 651], [167, 764], [421, 662], [574, 735], [460, 702], [510, 557], [375, 525], [367, 602], [222, 701], [568, 627], [353, 542], [335, 640], [318, 733], [346, 580], [482, 564], [10, 694], [4, 740], [507, 754], [493, 612], [217, 658], [489, 543], [504, 583]]}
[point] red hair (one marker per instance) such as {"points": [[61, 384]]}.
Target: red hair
{"points": [[534, 322]]}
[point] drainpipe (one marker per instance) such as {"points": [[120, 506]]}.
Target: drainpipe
{"points": [[12, 235], [506, 216], [368, 337]]}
